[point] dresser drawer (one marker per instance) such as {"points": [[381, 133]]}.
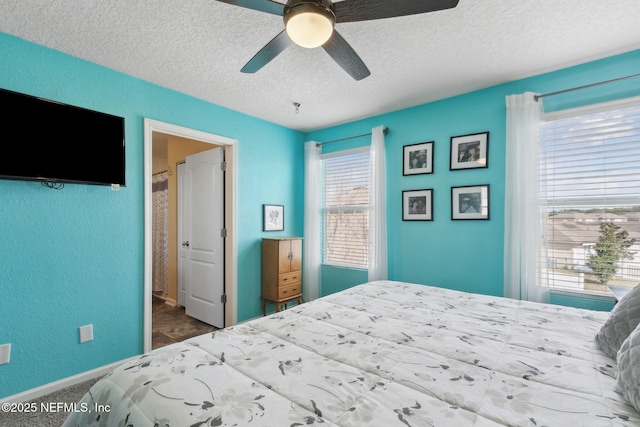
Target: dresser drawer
{"points": [[289, 278], [289, 291]]}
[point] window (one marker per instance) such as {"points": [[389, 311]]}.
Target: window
{"points": [[590, 196], [345, 179]]}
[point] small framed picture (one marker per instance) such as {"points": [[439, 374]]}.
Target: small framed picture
{"points": [[417, 158], [417, 205], [470, 202], [272, 217], [470, 151]]}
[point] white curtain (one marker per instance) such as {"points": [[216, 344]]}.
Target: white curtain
{"points": [[523, 219], [311, 243], [160, 232], [378, 268]]}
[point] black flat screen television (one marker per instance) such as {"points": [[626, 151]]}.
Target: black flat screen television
{"points": [[53, 142]]}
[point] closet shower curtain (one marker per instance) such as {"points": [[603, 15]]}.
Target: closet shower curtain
{"points": [[160, 232]]}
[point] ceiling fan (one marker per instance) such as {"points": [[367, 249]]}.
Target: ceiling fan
{"points": [[310, 24]]}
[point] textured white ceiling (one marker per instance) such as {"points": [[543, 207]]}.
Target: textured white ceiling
{"points": [[199, 46]]}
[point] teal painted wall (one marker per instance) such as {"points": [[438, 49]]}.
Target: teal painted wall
{"points": [[466, 255], [75, 256], [586, 302], [336, 279]]}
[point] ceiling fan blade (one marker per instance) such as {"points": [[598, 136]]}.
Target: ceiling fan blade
{"points": [[267, 6], [347, 58], [272, 49], [366, 10]]}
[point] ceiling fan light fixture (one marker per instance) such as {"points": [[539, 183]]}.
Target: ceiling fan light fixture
{"points": [[309, 24]]}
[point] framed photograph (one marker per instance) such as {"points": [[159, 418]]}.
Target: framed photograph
{"points": [[417, 158], [470, 202], [272, 217], [417, 205], [470, 151]]}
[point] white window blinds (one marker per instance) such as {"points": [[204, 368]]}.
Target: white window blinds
{"points": [[590, 175], [345, 207]]}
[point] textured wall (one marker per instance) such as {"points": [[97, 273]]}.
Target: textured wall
{"points": [[466, 255], [75, 256]]}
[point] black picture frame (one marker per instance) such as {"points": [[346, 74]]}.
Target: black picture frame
{"points": [[470, 202], [469, 151], [417, 205], [272, 217], [417, 159]]}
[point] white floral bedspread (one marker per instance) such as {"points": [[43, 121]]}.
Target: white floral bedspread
{"points": [[381, 354]]}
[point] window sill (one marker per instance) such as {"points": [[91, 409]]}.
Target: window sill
{"points": [[345, 266], [583, 294]]}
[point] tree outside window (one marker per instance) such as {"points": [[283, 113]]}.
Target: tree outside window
{"points": [[611, 248]]}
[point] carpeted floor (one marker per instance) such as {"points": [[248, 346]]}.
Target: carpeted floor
{"points": [[45, 412], [169, 325]]}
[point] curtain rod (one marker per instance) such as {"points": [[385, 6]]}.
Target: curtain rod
{"points": [[537, 97], [318, 144]]}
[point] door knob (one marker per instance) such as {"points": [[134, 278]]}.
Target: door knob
{"points": [[185, 244]]}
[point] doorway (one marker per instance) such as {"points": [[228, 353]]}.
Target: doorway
{"points": [[155, 128]]}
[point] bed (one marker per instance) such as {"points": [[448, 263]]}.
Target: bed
{"points": [[379, 354]]}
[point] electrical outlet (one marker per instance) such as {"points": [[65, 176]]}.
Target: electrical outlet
{"points": [[86, 333], [5, 353]]}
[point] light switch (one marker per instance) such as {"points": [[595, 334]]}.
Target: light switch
{"points": [[5, 353]]}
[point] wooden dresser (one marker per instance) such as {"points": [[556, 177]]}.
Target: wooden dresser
{"points": [[281, 271]]}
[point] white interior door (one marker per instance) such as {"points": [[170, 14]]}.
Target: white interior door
{"points": [[204, 241]]}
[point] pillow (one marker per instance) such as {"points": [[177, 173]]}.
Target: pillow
{"points": [[628, 380], [623, 319]]}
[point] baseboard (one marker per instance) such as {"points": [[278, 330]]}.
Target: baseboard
{"points": [[167, 299], [36, 393]]}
